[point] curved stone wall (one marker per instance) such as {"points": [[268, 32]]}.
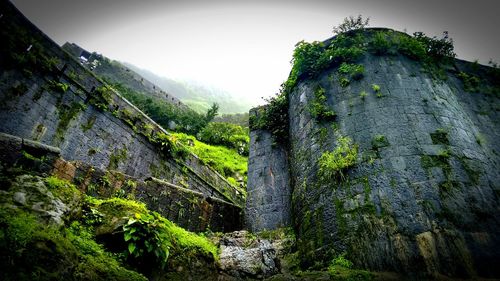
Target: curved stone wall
{"points": [[425, 191]]}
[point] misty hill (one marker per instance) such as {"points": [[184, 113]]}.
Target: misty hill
{"points": [[115, 73], [196, 95]]}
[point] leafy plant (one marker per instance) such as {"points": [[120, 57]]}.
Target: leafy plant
{"points": [[144, 237], [436, 47], [341, 261], [318, 107], [471, 83], [381, 43], [354, 71], [332, 164], [363, 95], [344, 82]]}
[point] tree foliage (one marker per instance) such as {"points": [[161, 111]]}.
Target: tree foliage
{"points": [[351, 23], [226, 134], [167, 115]]}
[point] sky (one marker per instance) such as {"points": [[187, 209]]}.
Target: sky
{"points": [[245, 47]]}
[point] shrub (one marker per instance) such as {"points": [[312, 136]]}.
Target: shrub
{"points": [[144, 237], [229, 135], [411, 47], [436, 47], [381, 43], [471, 83], [351, 23], [332, 164], [354, 71]]}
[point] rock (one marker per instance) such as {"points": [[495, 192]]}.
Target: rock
{"points": [[245, 256], [30, 191], [19, 197]]}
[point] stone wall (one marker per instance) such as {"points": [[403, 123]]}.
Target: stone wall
{"points": [[268, 191], [187, 208], [49, 97], [424, 194]]}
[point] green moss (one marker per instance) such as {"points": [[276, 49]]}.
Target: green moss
{"points": [[341, 220], [442, 161], [63, 189], [117, 157], [379, 141], [89, 124], [440, 136], [42, 252], [66, 114]]}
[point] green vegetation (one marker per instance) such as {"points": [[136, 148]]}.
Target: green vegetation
{"points": [[340, 268], [222, 159], [350, 24], [351, 71], [66, 114], [471, 83], [240, 119], [440, 136], [363, 95], [33, 249], [379, 141], [144, 237], [58, 86], [332, 165], [116, 157], [226, 134], [309, 60], [185, 120], [319, 108]]}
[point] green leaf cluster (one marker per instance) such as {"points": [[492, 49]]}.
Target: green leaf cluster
{"points": [[318, 107], [226, 134], [351, 70], [332, 164], [144, 236]]}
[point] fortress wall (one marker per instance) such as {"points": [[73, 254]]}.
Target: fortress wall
{"points": [[427, 199], [102, 130], [268, 203]]}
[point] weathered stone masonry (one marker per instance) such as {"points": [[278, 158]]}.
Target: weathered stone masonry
{"points": [[427, 200], [269, 198], [113, 137]]}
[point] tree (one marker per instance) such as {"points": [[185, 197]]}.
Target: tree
{"points": [[212, 112], [351, 23]]}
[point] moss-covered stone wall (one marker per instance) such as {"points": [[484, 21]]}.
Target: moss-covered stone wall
{"points": [[49, 97]]}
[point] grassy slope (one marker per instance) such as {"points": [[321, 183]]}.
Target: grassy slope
{"points": [[224, 160]]}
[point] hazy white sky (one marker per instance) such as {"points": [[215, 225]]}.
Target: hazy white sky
{"points": [[245, 47]]}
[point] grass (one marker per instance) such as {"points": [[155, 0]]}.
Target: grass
{"points": [[222, 159]]}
